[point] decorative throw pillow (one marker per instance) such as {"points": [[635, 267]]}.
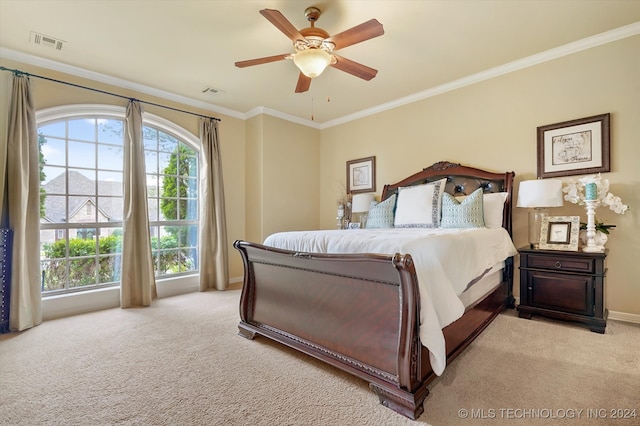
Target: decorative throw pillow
{"points": [[381, 215], [466, 214], [493, 206], [419, 206]]}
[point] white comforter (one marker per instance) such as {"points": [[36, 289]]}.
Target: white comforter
{"points": [[446, 260]]}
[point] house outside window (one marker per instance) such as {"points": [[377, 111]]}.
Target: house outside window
{"points": [[82, 155]]}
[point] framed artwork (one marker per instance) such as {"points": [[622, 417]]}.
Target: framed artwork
{"points": [[560, 233], [361, 175], [576, 147]]}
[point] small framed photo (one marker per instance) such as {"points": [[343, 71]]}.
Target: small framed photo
{"points": [[361, 175], [576, 147], [354, 225], [560, 233]]}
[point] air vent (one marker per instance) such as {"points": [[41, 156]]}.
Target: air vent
{"points": [[44, 40], [211, 91]]}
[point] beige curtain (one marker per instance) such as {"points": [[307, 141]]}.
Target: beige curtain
{"points": [[23, 181], [138, 284], [213, 256]]}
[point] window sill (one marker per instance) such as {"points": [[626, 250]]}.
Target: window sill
{"points": [[64, 305]]}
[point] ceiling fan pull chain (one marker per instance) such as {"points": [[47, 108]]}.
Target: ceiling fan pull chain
{"points": [[312, 108]]}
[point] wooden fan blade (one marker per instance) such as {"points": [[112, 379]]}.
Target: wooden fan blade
{"points": [[354, 68], [303, 83], [357, 34], [282, 23], [258, 61]]}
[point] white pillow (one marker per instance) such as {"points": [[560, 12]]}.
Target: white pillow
{"points": [[493, 208], [419, 206]]}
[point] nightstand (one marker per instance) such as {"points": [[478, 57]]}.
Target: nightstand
{"points": [[564, 285]]}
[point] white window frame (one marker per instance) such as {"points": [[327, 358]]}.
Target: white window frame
{"points": [[65, 304]]}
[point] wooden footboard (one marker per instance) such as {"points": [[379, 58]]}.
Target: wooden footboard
{"points": [[357, 312]]}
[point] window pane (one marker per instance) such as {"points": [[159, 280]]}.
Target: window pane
{"points": [[82, 272], [55, 208], [110, 209], [153, 209], [54, 275], [111, 131], [110, 183], [168, 209], [166, 142], [188, 260], [152, 186], [54, 246], [54, 129], [109, 269], [54, 152], [110, 240], [191, 187], [110, 157], [155, 241], [82, 154], [83, 129], [151, 161], [192, 209], [54, 180], [82, 182], [193, 166], [150, 138], [164, 159], [81, 210]]}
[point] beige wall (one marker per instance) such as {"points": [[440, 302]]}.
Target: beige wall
{"points": [[283, 176], [493, 124]]}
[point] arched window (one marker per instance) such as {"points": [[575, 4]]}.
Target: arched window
{"points": [[81, 190]]}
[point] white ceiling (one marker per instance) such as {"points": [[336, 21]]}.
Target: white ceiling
{"points": [[182, 47]]}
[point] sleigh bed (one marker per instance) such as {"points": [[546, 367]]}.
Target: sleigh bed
{"points": [[367, 312]]}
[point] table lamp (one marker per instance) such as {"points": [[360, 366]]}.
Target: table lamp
{"points": [[538, 195], [360, 205]]}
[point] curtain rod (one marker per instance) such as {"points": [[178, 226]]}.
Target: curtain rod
{"points": [[18, 72]]}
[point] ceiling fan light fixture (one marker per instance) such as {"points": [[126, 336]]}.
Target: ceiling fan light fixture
{"points": [[312, 61]]}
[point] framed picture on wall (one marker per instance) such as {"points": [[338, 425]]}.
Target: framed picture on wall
{"points": [[576, 147], [560, 233], [361, 175]]}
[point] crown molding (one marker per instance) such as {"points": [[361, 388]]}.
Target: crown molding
{"points": [[114, 81], [548, 55]]}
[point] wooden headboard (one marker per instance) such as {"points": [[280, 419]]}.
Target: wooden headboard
{"points": [[461, 180]]}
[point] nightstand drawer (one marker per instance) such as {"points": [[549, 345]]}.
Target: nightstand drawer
{"points": [[565, 264]]}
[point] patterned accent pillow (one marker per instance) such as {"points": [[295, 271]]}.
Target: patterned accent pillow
{"points": [[381, 215], [419, 206], [468, 213], [493, 206]]}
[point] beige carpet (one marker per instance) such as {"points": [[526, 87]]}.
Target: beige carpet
{"points": [[181, 362]]}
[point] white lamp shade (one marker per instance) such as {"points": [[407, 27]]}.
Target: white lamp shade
{"points": [[312, 61], [361, 202], [540, 193]]}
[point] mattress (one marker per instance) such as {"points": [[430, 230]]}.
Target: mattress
{"points": [[482, 286]]}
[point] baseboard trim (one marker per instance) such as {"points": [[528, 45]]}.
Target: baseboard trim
{"points": [[623, 316], [613, 315]]}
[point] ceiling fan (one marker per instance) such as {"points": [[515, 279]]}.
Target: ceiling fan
{"points": [[314, 48]]}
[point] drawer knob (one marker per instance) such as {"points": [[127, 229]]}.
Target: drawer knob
{"points": [[558, 265]]}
